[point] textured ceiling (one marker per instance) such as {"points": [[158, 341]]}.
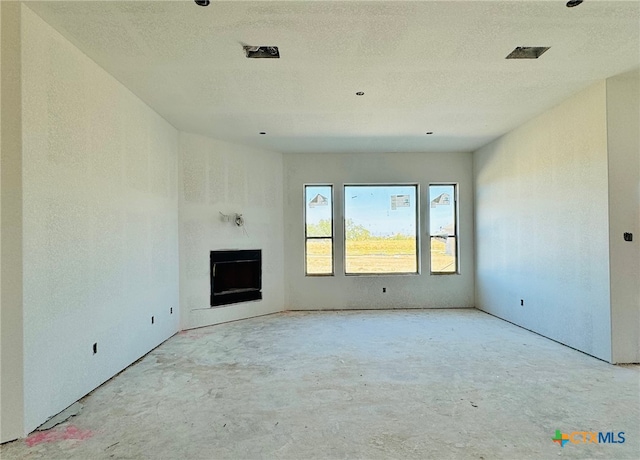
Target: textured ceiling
{"points": [[424, 66]]}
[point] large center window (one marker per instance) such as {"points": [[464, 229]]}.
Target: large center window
{"points": [[381, 229]]}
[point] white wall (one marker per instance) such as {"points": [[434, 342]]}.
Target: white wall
{"points": [[352, 292], [11, 348], [2, 436], [100, 224], [623, 135], [221, 177], [542, 233]]}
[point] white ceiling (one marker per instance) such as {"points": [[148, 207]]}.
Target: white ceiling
{"points": [[424, 66]]}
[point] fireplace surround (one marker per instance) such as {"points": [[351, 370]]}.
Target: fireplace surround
{"points": [[236, 276]]}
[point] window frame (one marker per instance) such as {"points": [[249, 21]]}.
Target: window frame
{"points": [[456, 227], [333, 232], [417, 220]]}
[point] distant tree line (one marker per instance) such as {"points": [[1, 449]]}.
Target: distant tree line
{"points": [[355, 232]]}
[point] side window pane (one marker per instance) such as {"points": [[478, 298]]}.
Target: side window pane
{"points": [[319, 229], [319, 256], [443, 228], [380, 229]]}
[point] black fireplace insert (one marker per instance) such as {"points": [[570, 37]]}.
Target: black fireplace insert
{"points": [[236, 276]]}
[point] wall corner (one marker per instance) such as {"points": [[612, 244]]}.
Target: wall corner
{"points": [[11, 306]]}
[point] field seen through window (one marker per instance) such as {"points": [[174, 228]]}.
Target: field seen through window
{"points": [[368, 254]]}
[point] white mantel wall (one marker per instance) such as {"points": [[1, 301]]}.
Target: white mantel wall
{"points": [[217, 177], [355, 292]]}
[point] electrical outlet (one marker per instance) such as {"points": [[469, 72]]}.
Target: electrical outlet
{"points": [[522, 302], [171, 311], [95, 348], [628, 236], [384, 290]]}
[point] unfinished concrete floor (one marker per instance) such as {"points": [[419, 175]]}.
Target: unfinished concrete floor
{"points": [[373, 385]]}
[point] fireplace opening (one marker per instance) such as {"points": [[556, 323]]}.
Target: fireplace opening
{"points": [[236, 276]]}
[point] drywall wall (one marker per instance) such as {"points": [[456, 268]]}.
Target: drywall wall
{"points": [[100, 223], [11, 348], [623, 137], [402, 291], [2, 436], [541, 214], [218, 177]]}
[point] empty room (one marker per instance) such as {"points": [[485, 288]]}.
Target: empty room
{"points": [[319, 229]]}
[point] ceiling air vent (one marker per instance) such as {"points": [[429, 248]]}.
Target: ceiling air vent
{"points": [[527, 52], [257, 52]]}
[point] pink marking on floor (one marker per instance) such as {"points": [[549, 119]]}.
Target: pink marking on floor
{"points": [[52, 435]]}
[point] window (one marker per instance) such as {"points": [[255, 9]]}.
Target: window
{"points": [[380, 229], [443, 228], [318, 229]]}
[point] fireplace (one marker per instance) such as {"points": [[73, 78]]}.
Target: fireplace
{"points": [[236, 276]]}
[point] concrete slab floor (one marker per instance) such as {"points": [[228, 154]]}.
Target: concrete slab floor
{"points": [[362, 384]]}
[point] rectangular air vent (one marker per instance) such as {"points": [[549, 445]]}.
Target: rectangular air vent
{"points": [[257, 52], [527, 52]]}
